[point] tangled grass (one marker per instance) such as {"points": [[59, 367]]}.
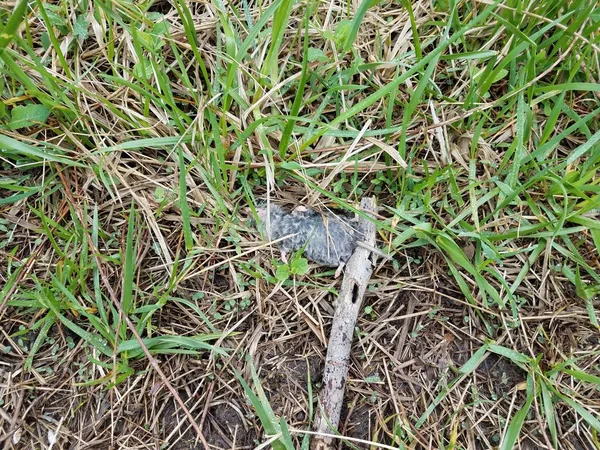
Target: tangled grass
{"points": [[139, 308]]}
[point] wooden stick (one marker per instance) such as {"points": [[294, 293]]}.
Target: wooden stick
{"points": [[356, 277]]}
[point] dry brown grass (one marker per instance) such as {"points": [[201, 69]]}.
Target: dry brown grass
{"points": [[405, 387]]}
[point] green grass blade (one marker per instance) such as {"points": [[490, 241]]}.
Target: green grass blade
{"points": [[197, 310], [48, 300], [549, 412], [474, 361], [583, 376], [183, 204], [516, 424], [129, 264], [96, 270], [15, 149], [171, 344], [514, 356], [8, 31], [287, 132], [359, 15], [55, 44], [280, 22], [47, 323], [415, 100], [443, 393], [385, 91], [590, 418], [413, 25], [264, 411], [549, 129], [189, 28]]}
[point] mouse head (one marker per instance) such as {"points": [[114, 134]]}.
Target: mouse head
{"points": [[276, 213], [261, 210]]}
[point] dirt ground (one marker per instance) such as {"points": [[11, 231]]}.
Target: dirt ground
{"points": [[154, 165], [407, 349]]}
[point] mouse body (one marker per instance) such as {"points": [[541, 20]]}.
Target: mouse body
{"points": [[328, 239]]}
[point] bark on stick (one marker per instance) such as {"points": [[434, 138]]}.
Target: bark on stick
{"points": [[356, 277]]}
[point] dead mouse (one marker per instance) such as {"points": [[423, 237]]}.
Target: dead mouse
{"points": [[328, 239]]}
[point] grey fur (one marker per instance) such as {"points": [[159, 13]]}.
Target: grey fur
{"points": [[330, 239]]}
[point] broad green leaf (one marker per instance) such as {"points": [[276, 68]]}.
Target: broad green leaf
{"points": [[299, 266], [143, 70], [28, 115], [342, 31], [316, 54], [80, 27], [283, 272]]}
